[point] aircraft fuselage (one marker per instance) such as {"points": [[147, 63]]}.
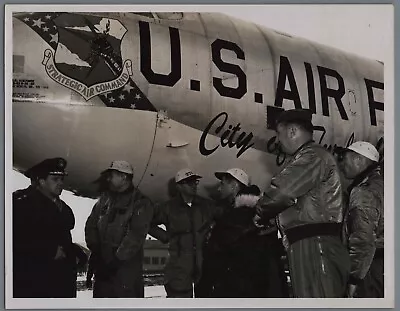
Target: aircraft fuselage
{"points": [[199, 90]]}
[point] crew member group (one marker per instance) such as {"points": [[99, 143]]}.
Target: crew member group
{"points": [[325, 214]]}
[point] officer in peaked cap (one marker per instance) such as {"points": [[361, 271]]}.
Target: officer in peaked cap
{"points": [[54, 166], [306, 199], [43, 250]]}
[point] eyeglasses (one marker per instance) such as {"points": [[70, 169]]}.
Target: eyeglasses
{"points": [[190, 181]]}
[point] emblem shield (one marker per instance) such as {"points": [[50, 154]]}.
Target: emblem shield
{"points": [[89, 48]]}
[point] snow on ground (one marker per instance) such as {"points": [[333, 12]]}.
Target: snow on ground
{"points": [[156, 291], [149, 292]]}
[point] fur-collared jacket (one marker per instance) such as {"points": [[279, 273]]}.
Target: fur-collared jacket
{"points": [[235, 224], [239, 259]]}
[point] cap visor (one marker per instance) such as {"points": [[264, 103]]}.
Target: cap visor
{"points": [[58, 173], [219, 175], [194, 176], [351, 149], [340, 150], [105, 171], [363, 154]]}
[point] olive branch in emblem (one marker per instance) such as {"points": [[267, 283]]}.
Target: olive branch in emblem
{"points": [[102, 49]]}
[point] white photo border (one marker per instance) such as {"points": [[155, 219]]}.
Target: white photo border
{"points": [[387, 302]]}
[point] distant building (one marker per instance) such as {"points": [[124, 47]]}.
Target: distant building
{"points": [[155, 256]]}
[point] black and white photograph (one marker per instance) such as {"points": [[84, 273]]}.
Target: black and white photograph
{"points": [[232, 155]]}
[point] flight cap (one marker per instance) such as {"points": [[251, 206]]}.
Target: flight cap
{"points": [[53, 166], [365, 149], [185, 174], [302, 115], [120, 166], [236, 173]]}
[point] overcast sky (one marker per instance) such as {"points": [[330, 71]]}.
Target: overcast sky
{"points": [[366, 30]]}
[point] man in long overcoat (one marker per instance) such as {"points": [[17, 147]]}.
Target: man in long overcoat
{"points": [[44, 257]]}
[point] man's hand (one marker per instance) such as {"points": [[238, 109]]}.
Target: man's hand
{"points": [[261, 221], [351, 290], [89, 283], [263, 210], [273, 202], [259, 210], [60, 253], [256, 221]]}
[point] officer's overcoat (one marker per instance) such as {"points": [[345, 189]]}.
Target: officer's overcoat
{"points": [[40, 226]]}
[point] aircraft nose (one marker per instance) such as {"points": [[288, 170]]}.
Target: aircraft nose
{"points": [[90, 138]]}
